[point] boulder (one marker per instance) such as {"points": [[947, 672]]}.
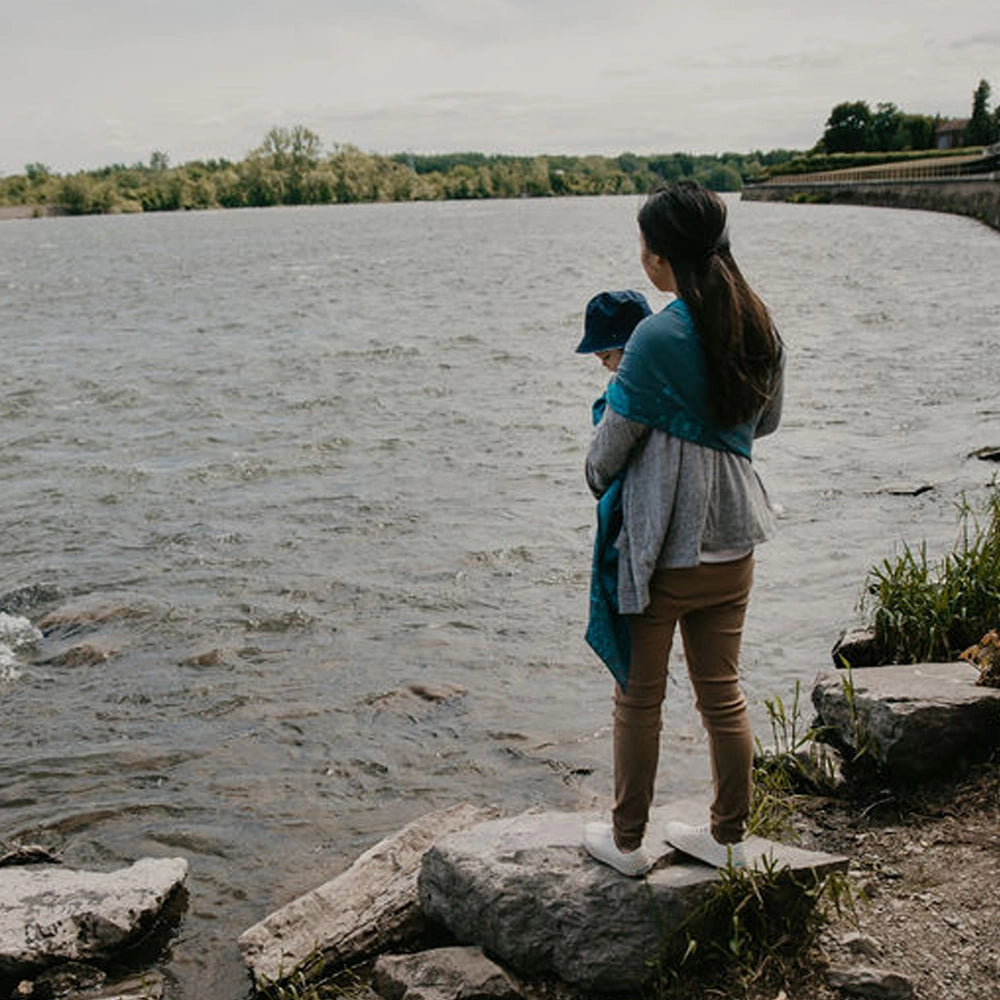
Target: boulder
{"points": [[443, 974], [524, 890], [28, 597], [913, 721], [51, 914], [370, 906], [856, 647]]}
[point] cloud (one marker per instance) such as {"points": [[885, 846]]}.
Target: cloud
{"points": [[207, 78], [987, 39]]}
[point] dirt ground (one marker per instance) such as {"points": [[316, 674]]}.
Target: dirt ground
{"points": [[925, 872], [930, 867]]}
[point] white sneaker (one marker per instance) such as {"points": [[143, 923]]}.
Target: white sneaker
{"points": [[698, 842], [599, 842]]}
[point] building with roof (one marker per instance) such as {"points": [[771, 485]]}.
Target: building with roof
{"points": [[951, 134]]}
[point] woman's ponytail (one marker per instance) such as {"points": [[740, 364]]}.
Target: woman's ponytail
{"points": [[686, 224]]}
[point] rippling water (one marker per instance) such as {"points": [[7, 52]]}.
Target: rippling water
{"points": [[299, 463]]}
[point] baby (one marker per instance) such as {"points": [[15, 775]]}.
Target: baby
{"points": [[609, 321]]}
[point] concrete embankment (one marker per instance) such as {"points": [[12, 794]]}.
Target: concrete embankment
{"points": [[978, 196]]}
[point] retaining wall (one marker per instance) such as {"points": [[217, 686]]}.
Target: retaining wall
{"points": [[978, 197]]}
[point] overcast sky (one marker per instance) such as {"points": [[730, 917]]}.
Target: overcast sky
{"points": [[87, 83]]}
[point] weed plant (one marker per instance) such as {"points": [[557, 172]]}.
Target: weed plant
{"points": [[795, 763], [923, 611], [307, 984], [760, 925]]}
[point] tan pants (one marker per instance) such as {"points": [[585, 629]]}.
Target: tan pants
{"points": [[710, 603]]}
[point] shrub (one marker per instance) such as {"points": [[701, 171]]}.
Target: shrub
{"points": [[924, 611]]}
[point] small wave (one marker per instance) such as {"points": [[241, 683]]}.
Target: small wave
{"points": [[392, 352], [277, 622], [517, 555], [317, 402]]}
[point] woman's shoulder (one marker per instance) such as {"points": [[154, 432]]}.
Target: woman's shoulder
{"points": [[673, 317], [671, 323]]}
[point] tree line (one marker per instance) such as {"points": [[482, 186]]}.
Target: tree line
{"points": [[291, 167], [853, 127]]}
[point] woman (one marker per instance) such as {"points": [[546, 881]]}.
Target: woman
{"points": [[697, 383]]}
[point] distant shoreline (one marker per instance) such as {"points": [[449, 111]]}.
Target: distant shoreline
{"points": [[29, 211]]}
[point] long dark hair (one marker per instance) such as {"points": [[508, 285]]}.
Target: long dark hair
{"points": [[686, 223]]}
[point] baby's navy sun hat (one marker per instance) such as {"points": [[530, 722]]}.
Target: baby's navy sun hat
{"points": [[610, 319]]}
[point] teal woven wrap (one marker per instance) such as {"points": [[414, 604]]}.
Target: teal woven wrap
{"points": [[662, 383]]}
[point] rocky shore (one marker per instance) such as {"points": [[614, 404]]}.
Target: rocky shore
{"points": [[927, 902], [468, 902]]}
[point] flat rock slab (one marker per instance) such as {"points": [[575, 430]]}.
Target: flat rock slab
{"points": [[50, 913], [370, 906], [525, 891], [915, 720]]}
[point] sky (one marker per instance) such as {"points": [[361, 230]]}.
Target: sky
{"points": [[88, 83]]}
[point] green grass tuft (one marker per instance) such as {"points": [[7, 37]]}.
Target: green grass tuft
{"points": [[923, 611], [795, 763], [758, 925]]}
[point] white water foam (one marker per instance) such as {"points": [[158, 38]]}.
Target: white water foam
{"points": [[16, 633]]}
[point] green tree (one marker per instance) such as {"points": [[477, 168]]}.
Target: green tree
{"points": [[849, 128], [629, 163], [355, 173], [918, 131], [230, 191], [82, 195], [158, 161], [980, 131], [721, 177], [507, 179], [36, 172], [291, 153], [887, 127], [537, 181], [262, 185], [667, 168], [297, 147]]}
